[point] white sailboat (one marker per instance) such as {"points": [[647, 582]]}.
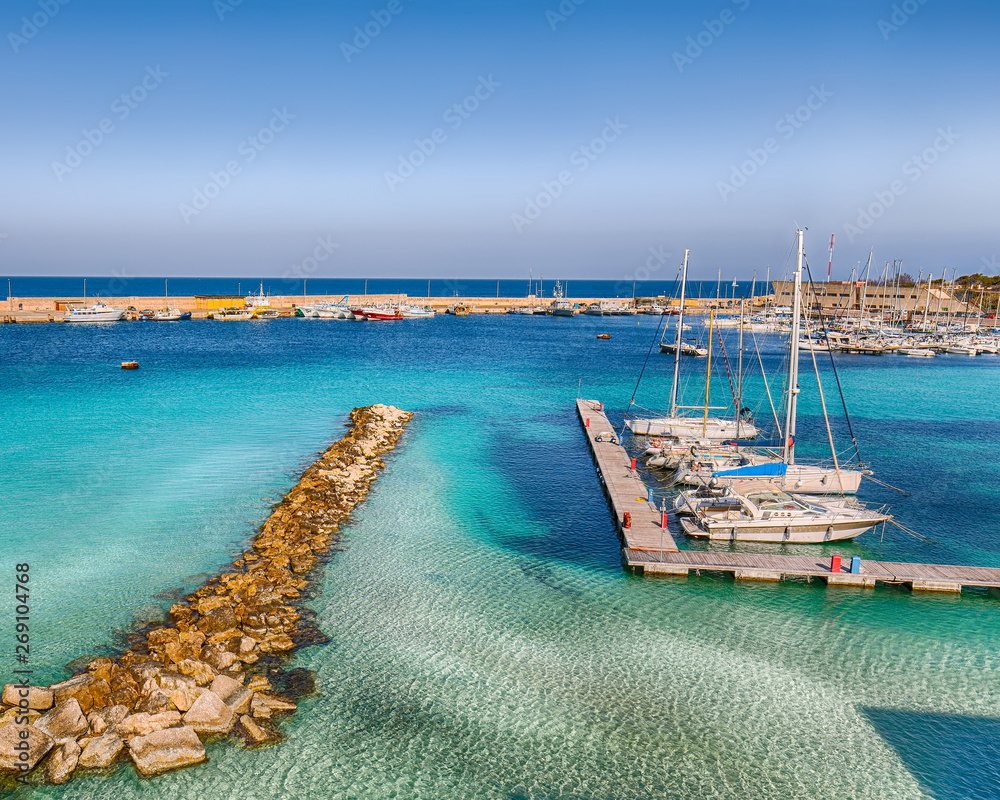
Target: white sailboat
{"points": [[802, 478], [711, 428]]}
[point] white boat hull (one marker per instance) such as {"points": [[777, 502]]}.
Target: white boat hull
{"points": [[776, 533], [691, 428]]}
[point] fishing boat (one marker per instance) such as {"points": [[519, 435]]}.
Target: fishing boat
{"points": [[230, 314], [415, 312], [99, 312], [594, 310], [705, 427], [764, 512], [170, 315], [458, 310]]}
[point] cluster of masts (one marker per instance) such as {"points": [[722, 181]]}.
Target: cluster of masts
{"points": [[742, 492]]}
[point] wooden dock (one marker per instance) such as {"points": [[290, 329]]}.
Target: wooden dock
{"points": [[649, 549]]}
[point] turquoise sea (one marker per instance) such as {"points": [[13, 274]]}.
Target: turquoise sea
{"points": [[484, 640]]}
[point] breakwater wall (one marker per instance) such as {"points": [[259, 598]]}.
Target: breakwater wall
{"points": [[215, 669]]}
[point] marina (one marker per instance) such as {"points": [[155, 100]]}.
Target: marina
{"points": [[648, 548]]}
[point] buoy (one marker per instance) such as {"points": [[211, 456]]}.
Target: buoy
{"points": [[130, 365], [627, 521]]}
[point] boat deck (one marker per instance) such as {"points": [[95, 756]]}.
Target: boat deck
{"points": [[649, 549]]}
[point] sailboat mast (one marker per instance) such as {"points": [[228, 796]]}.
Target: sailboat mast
{"points": [[739, 365], [677, 339], [793, 361], [708, 372]]}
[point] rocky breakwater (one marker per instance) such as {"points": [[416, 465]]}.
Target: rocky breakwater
{"points": [[211, 670]]}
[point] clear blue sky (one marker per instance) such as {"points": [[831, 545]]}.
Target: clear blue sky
{"points": [[627, 125]]}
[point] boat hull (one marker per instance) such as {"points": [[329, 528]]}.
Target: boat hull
{"points": [[793, 533]]}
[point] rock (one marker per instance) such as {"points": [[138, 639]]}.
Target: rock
{"points": [[199, 670], [11, 735], [209, 714], [142, 724], [62, 762], [218, 659], [106, 718], [254, 733], [79, 687], [281, 642], [258, 683], [101, 752], [174, 680], [233, 693], [165, 750], [36, 697], [157, 702], [264, 705], [124, 697], [100, 668], [65, 721], [100, 690], [12, 714]]}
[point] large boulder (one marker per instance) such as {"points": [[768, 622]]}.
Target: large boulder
{"points": [[218, 620], [162, 751], [37, 697], [199, 670], [101, 751], [233, 693], [209, 714], [79, 686], [62, 762], [65, 721], [105, 718], [22, 745]]}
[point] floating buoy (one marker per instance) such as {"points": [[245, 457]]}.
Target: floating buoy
{"points": [[604, 336], [130, 365]]}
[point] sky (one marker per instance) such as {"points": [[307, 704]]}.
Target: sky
{"points": [[422, 138]]}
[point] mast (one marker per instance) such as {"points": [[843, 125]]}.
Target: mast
{"points": [[677, 339], [927, 302], [793, 361], [829, 267], [739, 366], [708, 372]]}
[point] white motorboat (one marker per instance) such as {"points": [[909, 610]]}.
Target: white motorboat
{"points": [[961, 350], [170, 315], [99, 312], [800, 478], [763, 512], [687, 349], [917, 352]]}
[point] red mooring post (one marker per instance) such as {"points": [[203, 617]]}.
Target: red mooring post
{"points": [[588, 423], [633, 465], [663, 519], [834, 563]]}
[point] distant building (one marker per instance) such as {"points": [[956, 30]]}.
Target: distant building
{"points": [[846, 298]]}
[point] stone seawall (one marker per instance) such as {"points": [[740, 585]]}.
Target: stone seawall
{"points": [[216, 668]]}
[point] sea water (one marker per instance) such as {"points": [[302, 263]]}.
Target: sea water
{"points": [[484, 640]]}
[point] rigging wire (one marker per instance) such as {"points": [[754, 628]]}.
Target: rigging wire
{"points": [[631, 401], [836, 375]]}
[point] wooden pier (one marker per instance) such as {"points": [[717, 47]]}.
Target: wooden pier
{"points": [[649, 549]]}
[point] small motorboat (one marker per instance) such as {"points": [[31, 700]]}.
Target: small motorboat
{"points": [[604, 336], [130, 365]]}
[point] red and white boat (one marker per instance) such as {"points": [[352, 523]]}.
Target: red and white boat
{"points": [[379, 313]]}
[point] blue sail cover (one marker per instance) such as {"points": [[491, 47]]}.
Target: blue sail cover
{"points": [[756, 471]]}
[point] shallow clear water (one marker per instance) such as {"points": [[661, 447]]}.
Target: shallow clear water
{"points": [[484, 640]]}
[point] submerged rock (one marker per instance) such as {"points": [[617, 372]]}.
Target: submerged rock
{"points": [[62, 762], [101, 752]]}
